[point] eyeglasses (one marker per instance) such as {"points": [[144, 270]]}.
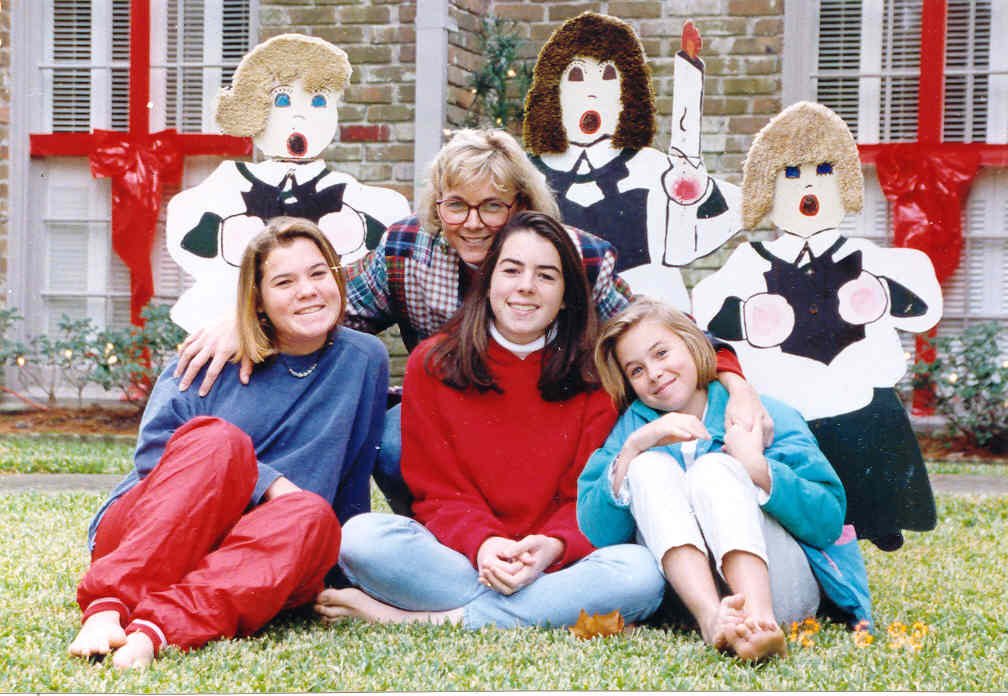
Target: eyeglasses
{"points": [[491, 212]]}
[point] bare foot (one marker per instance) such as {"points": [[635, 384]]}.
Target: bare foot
{"points": [[754, 640], [137, 653], [724, 622], [333, 605], [99, 635]]}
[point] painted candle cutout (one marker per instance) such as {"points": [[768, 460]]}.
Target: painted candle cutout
{"points": [[588, 127], [813, 316], [284, 94]]}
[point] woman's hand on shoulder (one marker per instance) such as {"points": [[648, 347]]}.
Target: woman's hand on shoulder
{"points": [[216, 343]]}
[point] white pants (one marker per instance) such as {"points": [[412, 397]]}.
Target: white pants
{"points": [[714, 506]]}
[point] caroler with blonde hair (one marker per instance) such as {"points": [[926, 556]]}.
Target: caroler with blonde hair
{"points": [[234, 507], [693, 491]]}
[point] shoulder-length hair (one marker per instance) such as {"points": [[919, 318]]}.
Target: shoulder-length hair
{"points": [[256, 335], [603, 38], [803, 133], [614, 381], [480, 155], [243, 109], [459, 358]]}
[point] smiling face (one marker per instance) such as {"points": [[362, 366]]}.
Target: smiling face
{"points": [[527, 287], [301, 124], [300, 296], [660, 369], [471, 238], [807, 199], [589, 100]]}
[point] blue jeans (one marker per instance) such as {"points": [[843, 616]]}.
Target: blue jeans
{"points": [[399, 562], [387, 472]]}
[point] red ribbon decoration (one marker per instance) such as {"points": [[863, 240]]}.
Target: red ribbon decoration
{"points": [[139, 170], [927, 188]]}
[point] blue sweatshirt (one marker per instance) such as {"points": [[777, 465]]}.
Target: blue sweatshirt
{"points": [[322, 431]]}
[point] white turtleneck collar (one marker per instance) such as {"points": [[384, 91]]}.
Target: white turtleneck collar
{"points": [[521, 350]]}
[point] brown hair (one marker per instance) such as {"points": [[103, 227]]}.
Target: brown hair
{"points": [[243, 109], [256, 337], [459, 358], [603, 38], [476, 154], [614, 381], [803, 133]]}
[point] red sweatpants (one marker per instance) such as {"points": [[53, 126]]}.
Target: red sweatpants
{"points": [[178, 552]]}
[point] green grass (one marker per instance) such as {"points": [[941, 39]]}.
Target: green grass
{"points": [[89, 455], [950, 579], [65, 454]]}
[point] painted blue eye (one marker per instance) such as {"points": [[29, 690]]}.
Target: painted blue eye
{"points": [[319, 101], [281, 99], [792, 172], [824, 168]]}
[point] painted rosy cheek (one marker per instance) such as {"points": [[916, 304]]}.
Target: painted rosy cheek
{"points": [[809, 205], [686, 189]]}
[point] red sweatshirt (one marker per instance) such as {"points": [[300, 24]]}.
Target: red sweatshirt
{"points": [[498, 464]]}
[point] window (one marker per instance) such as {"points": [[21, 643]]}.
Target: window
{"points": [[863, 60], [80, 82]]}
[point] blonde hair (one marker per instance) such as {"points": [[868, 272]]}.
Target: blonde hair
{"points": [[641, 308], [480, 154], [256, 336], [803, 133], [243, 109]]}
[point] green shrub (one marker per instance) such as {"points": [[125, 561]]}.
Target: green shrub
{"points": [[130, 360], [970, 380], [499, 85]]}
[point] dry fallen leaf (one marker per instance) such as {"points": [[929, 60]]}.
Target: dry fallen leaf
{"points": [[594, 625]]}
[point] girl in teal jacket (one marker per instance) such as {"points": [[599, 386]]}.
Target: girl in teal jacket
{"points": [[748, 534]]}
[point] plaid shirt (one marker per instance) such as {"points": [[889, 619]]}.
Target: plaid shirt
{"points": [[412, 279]]}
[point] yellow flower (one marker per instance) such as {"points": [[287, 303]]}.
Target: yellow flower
{"points": [[68, 354], [862, 636], [21, 361]]}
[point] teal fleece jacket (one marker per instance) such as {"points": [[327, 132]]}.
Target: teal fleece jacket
{"points": [[806, 496]]}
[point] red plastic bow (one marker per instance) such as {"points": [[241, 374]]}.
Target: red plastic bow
{"points": [[927, 188], [139, 169]]}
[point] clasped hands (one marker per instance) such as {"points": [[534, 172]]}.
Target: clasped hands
{"points": [[506, 565]]}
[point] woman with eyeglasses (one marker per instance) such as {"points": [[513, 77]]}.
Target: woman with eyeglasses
{"points": [[424, 267]]}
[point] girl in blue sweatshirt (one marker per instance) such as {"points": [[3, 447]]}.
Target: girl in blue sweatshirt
{"points": [[748, 534]]}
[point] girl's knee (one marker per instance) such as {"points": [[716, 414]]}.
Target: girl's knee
{"points": [[712, 473], [645, 465], [366, 536], [219, 443], [637, 569]]}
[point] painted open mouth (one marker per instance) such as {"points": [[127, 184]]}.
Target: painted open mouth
{"points": [[590, 122], [809, 205], [297, 145]]}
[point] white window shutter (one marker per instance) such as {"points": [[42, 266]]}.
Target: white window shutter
{"points": [[967, 62], [71, 86], [839, 58]]}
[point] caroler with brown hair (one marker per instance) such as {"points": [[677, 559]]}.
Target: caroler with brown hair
{"points": [[500, 412], [233, 510]]}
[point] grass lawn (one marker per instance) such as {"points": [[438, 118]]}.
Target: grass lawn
{"points": [[951, 580]]}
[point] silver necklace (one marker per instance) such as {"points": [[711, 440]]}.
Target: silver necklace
{"points": [[301, 374]]}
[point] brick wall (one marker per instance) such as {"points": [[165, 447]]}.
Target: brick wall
{"points": [[375, 143], [5, 78]]}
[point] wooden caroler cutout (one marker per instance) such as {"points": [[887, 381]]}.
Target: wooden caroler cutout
{"points": [[284, 95], [813, 316], [589, 123]]}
